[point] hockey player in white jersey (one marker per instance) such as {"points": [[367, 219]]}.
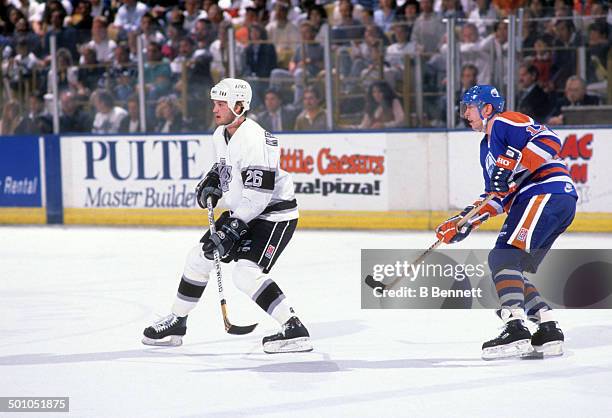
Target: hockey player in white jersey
{"points": [[260, 222]]}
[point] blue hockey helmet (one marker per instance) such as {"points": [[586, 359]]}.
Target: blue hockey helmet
{"points": [[481, 95]]}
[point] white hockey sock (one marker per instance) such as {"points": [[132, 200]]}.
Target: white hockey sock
{"points": [[193, 282], [249, 278]]}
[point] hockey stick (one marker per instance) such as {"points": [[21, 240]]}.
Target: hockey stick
{"points": [[229, 327], [379, 286]]}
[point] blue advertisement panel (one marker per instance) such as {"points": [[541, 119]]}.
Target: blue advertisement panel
{"points": [[20, 179]]}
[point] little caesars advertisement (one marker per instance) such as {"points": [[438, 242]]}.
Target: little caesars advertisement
{"points": [[337, 171]]}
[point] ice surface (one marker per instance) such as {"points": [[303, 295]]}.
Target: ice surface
{"points": [[74, 302]]}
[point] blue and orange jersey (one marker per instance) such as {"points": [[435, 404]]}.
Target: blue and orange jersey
{"points": [[540, 148]]}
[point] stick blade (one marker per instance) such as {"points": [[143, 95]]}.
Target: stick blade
{"points": [[369, 280], [240, 330]]}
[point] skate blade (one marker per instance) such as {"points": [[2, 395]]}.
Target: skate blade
{"points": [[516, 349], [550, 349], [170, 341], [295, 345]]}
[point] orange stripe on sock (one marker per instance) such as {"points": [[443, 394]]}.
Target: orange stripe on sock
{"points": [[504, 284]]}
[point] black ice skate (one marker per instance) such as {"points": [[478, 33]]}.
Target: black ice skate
{"points": [[168, 331], [548, 340], [514, 341], [293, 338]]}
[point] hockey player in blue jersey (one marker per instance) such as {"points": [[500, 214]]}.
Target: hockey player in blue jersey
{"points": [[521, 167]]}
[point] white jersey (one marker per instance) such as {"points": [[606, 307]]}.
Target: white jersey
{"points": [[253, 184]]}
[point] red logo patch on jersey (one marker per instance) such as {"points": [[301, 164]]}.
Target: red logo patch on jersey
{"points": [[522, 235], [270, 251]]}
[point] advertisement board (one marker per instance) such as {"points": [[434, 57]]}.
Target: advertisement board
{"points": [[585, 151], [337, 171], [20, 172]]}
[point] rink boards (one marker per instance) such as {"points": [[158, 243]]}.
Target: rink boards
{"points": [[373, 180]]}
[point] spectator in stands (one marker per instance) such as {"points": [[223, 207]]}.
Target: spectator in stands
{"points": [[575, 95], [383, 108], [131, 123], [41, 20], [283, 34], [100, 8], [171, 46], [13, 123], [19, 68], [260, 60], [453, 8], [195, 85], [23, 33], [317, 16], [385, 15], [72, 118], [542, 60], [122, 74], [148, 28], [38, 119], [377, 67], [564, 56], [108, 116], [66, 37], [82, 21], [219, 50], [100, 43], [428, 28], [469, 78], [307, 63], [483, 17], [313, 117], [185, 53], [364, 57], [276, 117], [473, 50], [498, 42], [597, 52], [157, 73], [407, 14], [193, 12], [347, 28], [90, 72], [128, 16], [67, 73], [203, 34], [168, 115], [337, 12], [397, 51], [532, 100], [242, 31], [216, 17]]}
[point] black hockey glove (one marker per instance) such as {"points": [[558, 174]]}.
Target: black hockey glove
{"points": [[210, 185], [506, 163], [231, 232]]}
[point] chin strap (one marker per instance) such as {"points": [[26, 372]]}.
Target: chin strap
{"points": [[237, 116], [485, 121]]}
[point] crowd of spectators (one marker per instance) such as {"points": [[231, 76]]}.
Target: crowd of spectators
{"points": [[279, 49]]}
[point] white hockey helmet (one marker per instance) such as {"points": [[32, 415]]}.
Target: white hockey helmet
{"points": [[232, 91]]}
